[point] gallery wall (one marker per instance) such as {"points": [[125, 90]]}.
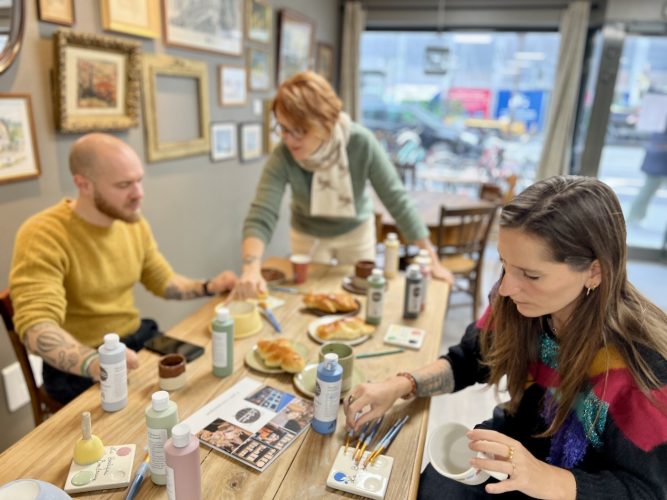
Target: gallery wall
{"points": [[196, 207]]}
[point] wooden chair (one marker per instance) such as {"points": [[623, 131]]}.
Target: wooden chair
{"points": [[490, 192], [42, 404], [461, 240]]}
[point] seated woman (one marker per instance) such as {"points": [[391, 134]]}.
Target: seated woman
{"points": [[585, 355], [327, 160]]}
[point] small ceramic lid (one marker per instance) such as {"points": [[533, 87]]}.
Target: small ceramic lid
{"points": [[171, 365]]}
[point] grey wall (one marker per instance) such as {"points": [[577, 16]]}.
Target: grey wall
{"points": [[196, 207]]}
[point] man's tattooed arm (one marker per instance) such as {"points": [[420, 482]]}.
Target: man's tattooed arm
{"points": [[57, 347], [434, 378], [182, 288]]}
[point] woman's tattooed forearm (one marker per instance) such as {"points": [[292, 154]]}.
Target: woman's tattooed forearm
{"points": [[436, 378]]}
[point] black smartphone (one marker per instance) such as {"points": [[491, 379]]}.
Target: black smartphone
{"points": [[169, 345]]}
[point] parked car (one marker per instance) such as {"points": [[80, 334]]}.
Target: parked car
{"points": [[392, 118]]}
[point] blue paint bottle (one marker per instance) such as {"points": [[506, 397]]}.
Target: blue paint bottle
{"points": [[327, 394]]}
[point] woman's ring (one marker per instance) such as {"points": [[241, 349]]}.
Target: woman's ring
{"points": [[350, 399], [510, 454]]}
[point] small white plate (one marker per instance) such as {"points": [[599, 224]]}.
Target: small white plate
{"points": [[255, 361], [325, 320]]}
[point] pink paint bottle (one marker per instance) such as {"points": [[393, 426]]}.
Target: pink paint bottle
{"points": [[183, 467]]}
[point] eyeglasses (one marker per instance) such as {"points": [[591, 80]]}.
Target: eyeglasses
{"points": [[282, 130]]}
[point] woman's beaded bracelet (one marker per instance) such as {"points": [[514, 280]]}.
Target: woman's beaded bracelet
{"points": [[413, 385], [85, 365]]}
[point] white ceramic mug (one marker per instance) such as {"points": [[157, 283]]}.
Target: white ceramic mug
{"points": [[450, 455]]}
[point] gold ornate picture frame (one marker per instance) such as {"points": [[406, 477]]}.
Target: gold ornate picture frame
{"points": [[96, 82], [132, 17], [177, 86]]}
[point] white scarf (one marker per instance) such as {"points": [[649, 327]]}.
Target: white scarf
{"points": [[331, 193]]}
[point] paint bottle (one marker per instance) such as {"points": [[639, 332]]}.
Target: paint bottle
{"points": [[113, 373], [391, 256], [375, 297], [423, 260], [327, 394], [222, 329], [183, 469], [412, 299], [161, 416]]}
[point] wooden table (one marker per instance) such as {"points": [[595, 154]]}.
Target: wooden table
{"points": [[301, 471], [428, 205]]}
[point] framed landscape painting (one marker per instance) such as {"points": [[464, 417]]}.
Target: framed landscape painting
{"points": [[56, 11], [232, 85], [212, 26], [251, 141], [19, 158], [259, 21], [223, 141], [133, 17], [295, 44], [259, 69], [325, 63], [96, 82]]}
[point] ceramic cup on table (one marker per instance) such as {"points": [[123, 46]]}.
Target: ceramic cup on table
{"points": [[300, 264], [362, 270], [171, 371], [247, 320], [345, 360], [450, 455]]}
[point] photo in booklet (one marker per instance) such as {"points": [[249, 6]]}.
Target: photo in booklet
{"points": [[251, 422]]}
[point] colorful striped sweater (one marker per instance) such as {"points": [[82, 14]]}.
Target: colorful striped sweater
{"points": [[615, 439]]}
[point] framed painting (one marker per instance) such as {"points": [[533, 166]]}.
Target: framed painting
{"points": [[295, 44], [56, 11], [259, 21], [325, 63], [232, 86], [223, 141], [251, 141], [133, 17], [96, 82], [259, 69], [212, 26], [19, 158], [271, 137], [175, 107]]}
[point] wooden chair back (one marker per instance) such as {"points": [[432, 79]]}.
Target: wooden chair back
{"points": [[42, 404]]}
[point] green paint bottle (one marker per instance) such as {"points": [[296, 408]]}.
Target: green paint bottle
{"points": [[375, 297], [222, 328], [161, 416]]}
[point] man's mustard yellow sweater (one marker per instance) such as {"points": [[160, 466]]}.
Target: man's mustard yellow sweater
{"points": [[81, 276]]}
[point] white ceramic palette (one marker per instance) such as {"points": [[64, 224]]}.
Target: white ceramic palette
{"points": [[369, 482], [113, 470]]}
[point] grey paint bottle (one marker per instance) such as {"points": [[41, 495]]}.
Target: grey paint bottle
{"points": [[222, 330], [412, 299], [113, 373]]}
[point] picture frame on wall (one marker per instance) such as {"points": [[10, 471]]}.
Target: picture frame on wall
{"points": [[232, 85], [259, 69], [19, 157], [216, 27], [223, 141], [324, 64], [96, 82], [271, 137], [251, 141], [56, 11], [132, 17], [296, 34], [259, 21], [175, 87]]}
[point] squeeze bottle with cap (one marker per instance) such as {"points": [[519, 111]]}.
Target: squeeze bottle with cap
{"points": [[375, 297], [161, 416], [391, 256], [327, 394], [412, 299], [183, 469], [113, 373], [423, 260], [222, 328]]}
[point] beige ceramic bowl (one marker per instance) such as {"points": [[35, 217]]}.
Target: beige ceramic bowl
{"points": [[247, 320]]}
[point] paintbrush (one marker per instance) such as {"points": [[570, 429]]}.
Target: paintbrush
{"points": [[390, 438]]}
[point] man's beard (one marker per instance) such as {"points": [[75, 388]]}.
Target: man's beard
{"points": [[111, 211]]}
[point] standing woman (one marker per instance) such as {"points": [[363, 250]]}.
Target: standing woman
{"points": [[326, 159], [584, 353]]}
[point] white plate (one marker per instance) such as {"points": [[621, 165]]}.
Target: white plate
{"points": [[305, 380], [325, 320], [255, 361]]}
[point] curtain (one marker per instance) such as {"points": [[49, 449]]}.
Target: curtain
{"points": [[556, 149], [354, 21]]}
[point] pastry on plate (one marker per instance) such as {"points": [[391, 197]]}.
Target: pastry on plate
{"points": [[280, 353], [344, 329], [331, 302]]}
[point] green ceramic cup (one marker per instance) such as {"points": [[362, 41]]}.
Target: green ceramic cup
{"points": [[345, 359]]}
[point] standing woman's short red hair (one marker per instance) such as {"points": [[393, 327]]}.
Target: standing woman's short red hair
{"points": [[308, 102]]}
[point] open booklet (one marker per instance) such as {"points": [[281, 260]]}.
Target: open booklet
{"points": [[251, 422]]}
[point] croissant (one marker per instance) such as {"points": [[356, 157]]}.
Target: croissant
{"points": [[344, 329], [280, 353], [330, 302]]}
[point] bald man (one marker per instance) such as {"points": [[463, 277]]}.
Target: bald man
{"points": [[75, 265]]}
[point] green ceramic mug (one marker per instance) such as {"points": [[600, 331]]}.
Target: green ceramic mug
{"points": [[345, 359]]}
